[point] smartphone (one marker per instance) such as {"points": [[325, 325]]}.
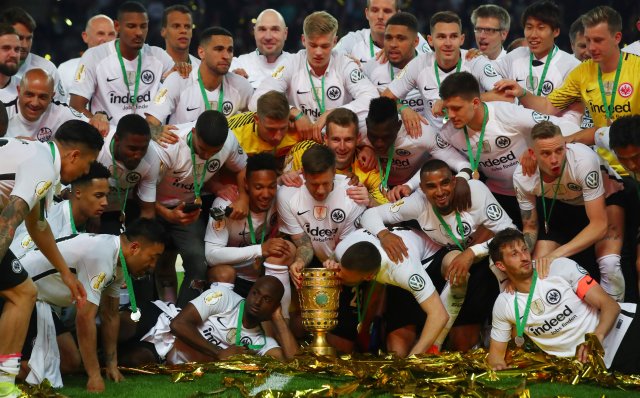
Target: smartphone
{"points": [[191, 207]]}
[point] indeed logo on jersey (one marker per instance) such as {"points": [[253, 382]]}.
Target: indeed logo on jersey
{"points": [[555, 324], [320, 234], [504, 161], [624, 108], [397, 163], [115, 98], [179, 184], [311, 111]]}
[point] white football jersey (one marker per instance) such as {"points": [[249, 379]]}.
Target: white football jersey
{"points": [[28, 170], [67, 72], [182, 102], [420, 74], [256, 66], [99, 79], [9, 95], [59, 220], [176, 168], [143, 179], [228, 241], [409, 274], [94, 258], [358, 44], [381, 75], [345, 86], [485, 211], [34, 61], [46, 126], [506, 136], [326, 223], [633, 48], [583, 180]]}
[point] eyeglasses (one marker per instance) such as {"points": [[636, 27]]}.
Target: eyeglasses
{"points": [[487, 30]]}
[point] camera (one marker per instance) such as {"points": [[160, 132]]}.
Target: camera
{"points": [[218, 214]]}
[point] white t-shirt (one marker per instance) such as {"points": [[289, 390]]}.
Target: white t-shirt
{"points": [[558, 319], [67, 72], [420, 74], [182, 101], [94, 258], [381, 76], [142, 179], [326, 223], [99, 79], [505, 139], [485, 211], [345, 86], [256, 66], [59, 220], [46, 126], [228, 241], [358, 44], [34, 61], [176, 168], [583, 180], [9, 95], [28, 171], [409, 274]]}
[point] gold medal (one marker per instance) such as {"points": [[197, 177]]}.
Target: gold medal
{"points": [[546, 227], [359, 327], [475, 175], [609, 122], [519, 341], [122, 217], [198, 201]]}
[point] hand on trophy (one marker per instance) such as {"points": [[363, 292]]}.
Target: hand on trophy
{"points": [[295, 271], [331, 264]]}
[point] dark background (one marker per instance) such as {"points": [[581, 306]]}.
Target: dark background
{"points": [[54, 36]]}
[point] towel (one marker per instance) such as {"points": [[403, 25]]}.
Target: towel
{"points": [[45, 358]]}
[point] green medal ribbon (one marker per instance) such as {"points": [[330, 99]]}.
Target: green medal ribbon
{"points": [[123, 203], [437, 71], [371, 46], [72, 221], [608, 109], [391, 71], [43, 201], [547, 217], [448, 229], [521, 325], [252, 233], [124, 73], [475, 160], [197, 185], [544, 70], [362, 311], [315, 94], [239, 331], [127, 280], [207, 104], [385, 177]]}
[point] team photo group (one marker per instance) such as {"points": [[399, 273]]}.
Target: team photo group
{"points": [[175, 204]]}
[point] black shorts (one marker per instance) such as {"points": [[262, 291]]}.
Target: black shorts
{"points": [[148, 318], [12, 273], [627, 358], [242, 286], [32, 332], [347, 327]]}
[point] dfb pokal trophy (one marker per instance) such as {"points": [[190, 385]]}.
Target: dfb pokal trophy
{"points": [[319, 300]]}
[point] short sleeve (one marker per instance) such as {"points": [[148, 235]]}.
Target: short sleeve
{"points": [[166, 99], [84, 81], [410, 276], [502, 322], [288, 225], [213, 301], [34, 179], [237, 159], [407, 78], [570, 91]]}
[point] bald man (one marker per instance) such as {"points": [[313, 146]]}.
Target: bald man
{"points": [[99, 30], [270, 32], [37, 116]]}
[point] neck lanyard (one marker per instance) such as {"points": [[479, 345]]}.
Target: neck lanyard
{"points": [[239, 331], [124, 74], [123, 203], [385, 177], [197, 185], [391, 71], [362, 311], [252, 233], [521, 325], [71, 220], [135, 312], [437, 71], [608, 109], [207, 104], [475, 160], [315, 94], [553, 201], [544, 70], [448, 229], [43, 202], [371, 46]]}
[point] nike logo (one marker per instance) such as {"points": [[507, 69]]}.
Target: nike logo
{"points": [[591, 90], [382, 84], [219, 321], [301, 213], [429, 89], [364, 61], [428, 230], [110, 80], [302, 92], [192, 109], [519, 80], [504, 280]]}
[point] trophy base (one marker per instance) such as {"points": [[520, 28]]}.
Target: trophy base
{"points": [[320, 346]]}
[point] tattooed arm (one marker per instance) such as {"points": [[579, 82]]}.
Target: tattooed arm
{"points": [[11, 216], [530, 227], [304, 255]]}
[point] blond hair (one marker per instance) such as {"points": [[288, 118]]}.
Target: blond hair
{"points": [[319, 23], [602, 14]]}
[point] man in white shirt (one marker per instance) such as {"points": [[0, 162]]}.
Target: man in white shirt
{"points": [[491, 25], [9, 64], [556, 307], [123, 76], [270, 32], [30, 170], [210, 86], [100, 262], [99, 30], [25, 25], [317, 80], [177, 31], [581, 203], [365, 44], [427, 71], [87, 201]]}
